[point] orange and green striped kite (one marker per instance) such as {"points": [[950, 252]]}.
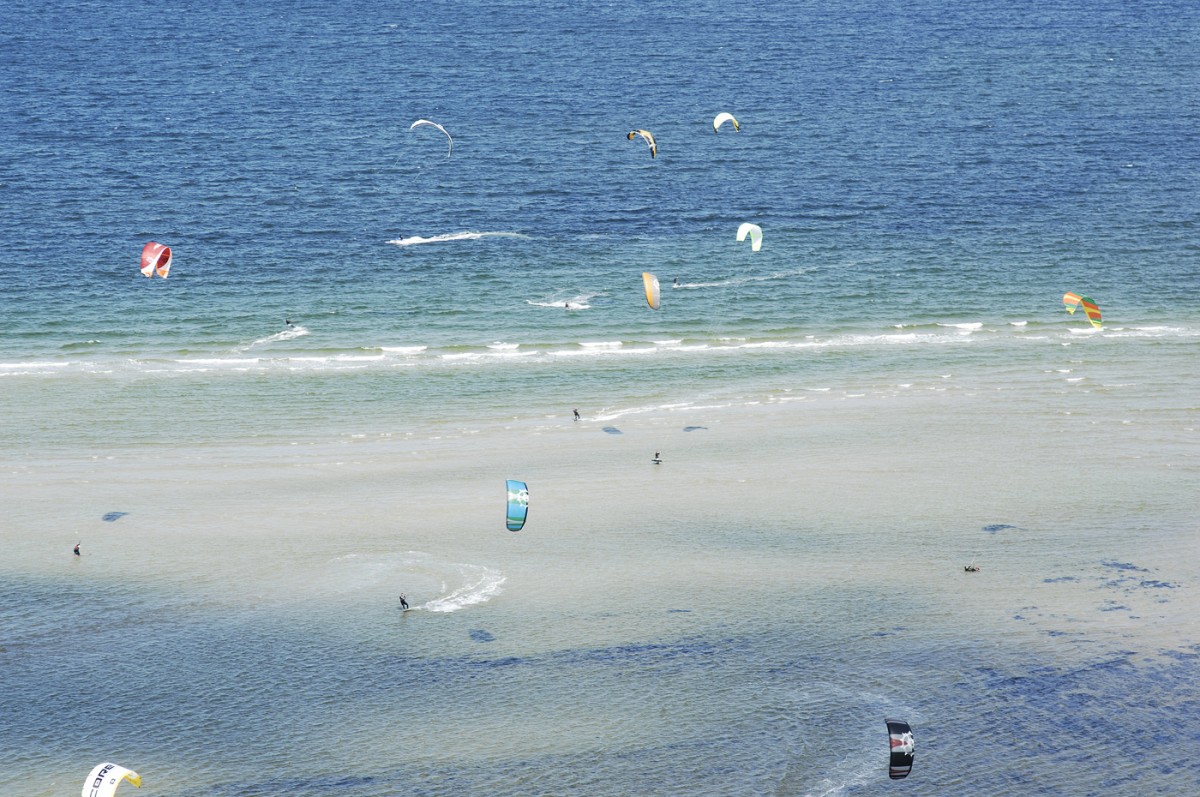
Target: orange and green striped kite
{"points": [[1072, 301]]}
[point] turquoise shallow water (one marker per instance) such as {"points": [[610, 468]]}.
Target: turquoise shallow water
{"points": [[888, 389]]}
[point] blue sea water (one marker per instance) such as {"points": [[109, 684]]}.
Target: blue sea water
{"points": [[930, 178], [910, 166]]}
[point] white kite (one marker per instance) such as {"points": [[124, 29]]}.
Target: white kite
{"points": [[755, 233], [106, 777], [722, 118], [420, 122]]}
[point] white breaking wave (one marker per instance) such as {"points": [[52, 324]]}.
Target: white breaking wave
{"points": [[36, 364], [477, 584], [453, 236], [240, 362], [1151, 332], [492, 354], [270, 354]]}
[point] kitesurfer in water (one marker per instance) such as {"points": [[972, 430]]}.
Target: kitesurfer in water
{"points": [[676, 283], [288, 321], [576, 414], [77, 549], [403, 602]]}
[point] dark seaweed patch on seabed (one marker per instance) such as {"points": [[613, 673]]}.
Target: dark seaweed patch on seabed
{"points": [[111, 517], [479, 635], [612, 430], [1063, 709], [1125, 566], [1131, 582]]}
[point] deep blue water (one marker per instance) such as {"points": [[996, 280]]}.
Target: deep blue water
{"points": [[946, 151]]}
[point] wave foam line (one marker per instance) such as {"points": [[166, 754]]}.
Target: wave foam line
{"points": [[609, 414], [290, 333], [414, 240], [37, 364], [480, 585]]}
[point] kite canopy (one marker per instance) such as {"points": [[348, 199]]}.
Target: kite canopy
{"points": [[755, 233], [156, 258], [105, 778], [901, 740], [722, 118], [652, 293], [517, 494], [421, 122], [646, 134], [1072, 302]]}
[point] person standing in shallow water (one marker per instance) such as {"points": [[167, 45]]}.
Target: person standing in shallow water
{"points": [[77, 549], [576, 414]]}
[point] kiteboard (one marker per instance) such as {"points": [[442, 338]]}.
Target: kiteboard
{"points": [[656, 461]]}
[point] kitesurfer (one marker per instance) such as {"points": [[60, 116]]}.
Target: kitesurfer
{"points": [[403, 602], [576, 414], [77, 549], [288, 321], [676, 283]]}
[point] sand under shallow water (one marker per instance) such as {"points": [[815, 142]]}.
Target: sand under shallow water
{"points": [[736, 620]]}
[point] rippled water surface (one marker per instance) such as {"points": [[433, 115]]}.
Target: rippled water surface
{"points": [[362, 336]]}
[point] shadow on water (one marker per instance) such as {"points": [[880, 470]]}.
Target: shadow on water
{"points": [[994, 527]]}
